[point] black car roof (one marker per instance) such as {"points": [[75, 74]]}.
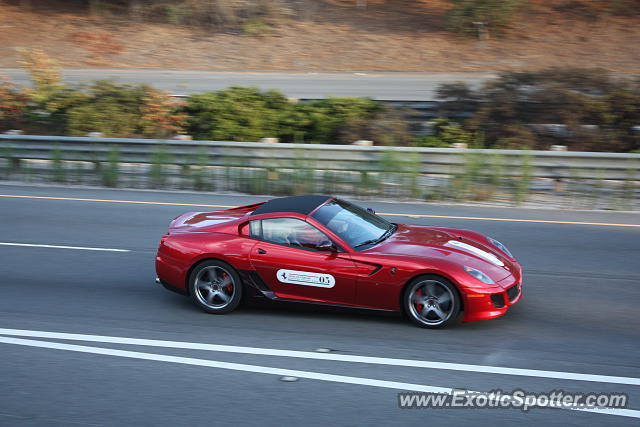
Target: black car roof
{"points": [[298, 204]]}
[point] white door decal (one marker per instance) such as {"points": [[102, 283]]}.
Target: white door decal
{"points": [[306, 278]]}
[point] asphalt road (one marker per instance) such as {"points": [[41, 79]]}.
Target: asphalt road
{"points": [[381, 86], [579, 314]]}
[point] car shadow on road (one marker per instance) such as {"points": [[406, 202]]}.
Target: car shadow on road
{"points": [[289, 312]]}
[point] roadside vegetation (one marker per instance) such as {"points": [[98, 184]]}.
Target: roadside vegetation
{"points": [[584, 109], [481, 17], [461, 16]]}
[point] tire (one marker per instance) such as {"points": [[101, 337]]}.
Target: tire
{"points": [[215, 287], [431, 301]]}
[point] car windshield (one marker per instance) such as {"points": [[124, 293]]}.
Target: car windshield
{"points": [[359, 228]]}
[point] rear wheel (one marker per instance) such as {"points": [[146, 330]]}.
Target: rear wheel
{"points": [[431, 302], [215, 287]]}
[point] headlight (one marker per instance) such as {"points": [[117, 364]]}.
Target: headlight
{"points": [[500, 246], [479, 275]]}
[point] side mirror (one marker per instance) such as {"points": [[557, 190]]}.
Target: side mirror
{"points": [[371, 211], [327, 247]]}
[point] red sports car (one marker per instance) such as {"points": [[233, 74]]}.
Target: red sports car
{"points": [[324, 250]]}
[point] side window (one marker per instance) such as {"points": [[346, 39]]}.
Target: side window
{"points": [[255, 229], [290, 232]]}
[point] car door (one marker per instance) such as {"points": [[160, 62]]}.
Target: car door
{"points": [[291, 256]]}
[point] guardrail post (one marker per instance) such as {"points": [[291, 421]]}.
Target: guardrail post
{"points": [[59, 173], [12, 163], [110, 173], [158, 162]]}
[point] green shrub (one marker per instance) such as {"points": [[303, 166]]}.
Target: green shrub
{"points": [[446, 133], [256, 27], [120, 110], [295, 123], [328, 116], [105, 106], [623, 105], [505, 109], [219, 14], [495, 14], [111, 110], [429, 141], [45, 73], [452, 133], [247, 114], [236, 114], [13, 107]]}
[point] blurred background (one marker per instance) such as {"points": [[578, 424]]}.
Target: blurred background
{"points": [[445, 80]]}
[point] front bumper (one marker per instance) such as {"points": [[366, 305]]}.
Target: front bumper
{"points": [[483, 306]]}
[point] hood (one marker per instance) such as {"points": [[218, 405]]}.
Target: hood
{"points": [[432, 242]]}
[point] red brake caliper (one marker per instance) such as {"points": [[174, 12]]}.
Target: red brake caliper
{"points": [[229, 286], [418, 306]]}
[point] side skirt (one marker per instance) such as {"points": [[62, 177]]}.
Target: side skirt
{"points": [[258, 288]]}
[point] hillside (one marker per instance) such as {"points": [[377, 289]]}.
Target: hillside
{"points": [[334, 35]]}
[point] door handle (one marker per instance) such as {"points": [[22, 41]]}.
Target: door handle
{"points": [[261, 251]]}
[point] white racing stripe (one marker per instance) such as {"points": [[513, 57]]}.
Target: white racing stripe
{"points": [[325, 356], [82, 248], [268, 370]]}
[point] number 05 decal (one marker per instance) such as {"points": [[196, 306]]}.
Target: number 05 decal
{"points": [[306, 278]]}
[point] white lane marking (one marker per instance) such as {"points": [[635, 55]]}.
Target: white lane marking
{"points": [[225, 365], [269, 370], [325, 356], [82, 248]]}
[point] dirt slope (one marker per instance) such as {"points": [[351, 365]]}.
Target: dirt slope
{"points": [[386, 36]]}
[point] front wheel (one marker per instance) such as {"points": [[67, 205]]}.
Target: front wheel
{"points": [[215, 287], [431, 302]]}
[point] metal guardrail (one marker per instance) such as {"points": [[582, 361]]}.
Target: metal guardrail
{"points": [[437, 161]]}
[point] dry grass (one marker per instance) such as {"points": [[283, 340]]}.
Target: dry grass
{"points": [[392, 35]]}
